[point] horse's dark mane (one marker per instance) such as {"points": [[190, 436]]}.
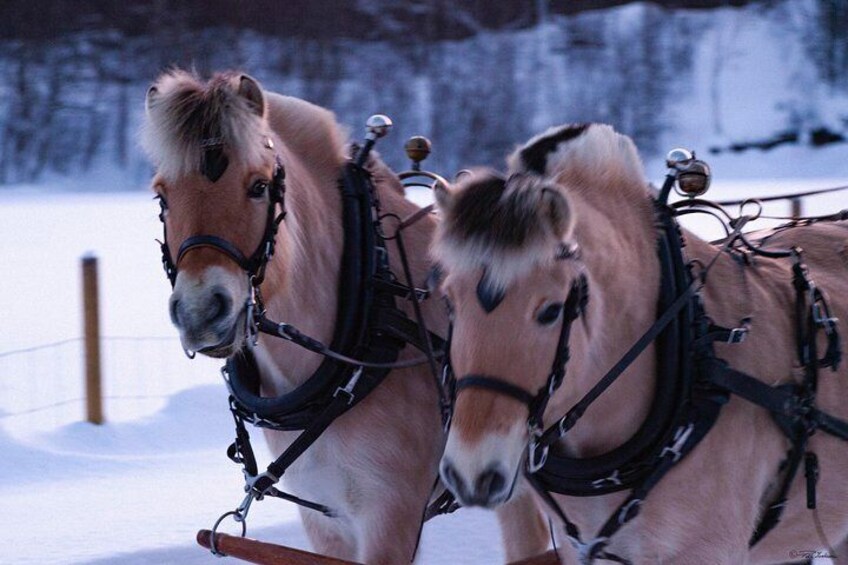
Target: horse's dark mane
{"points": [[534, 155], [499, 213]]}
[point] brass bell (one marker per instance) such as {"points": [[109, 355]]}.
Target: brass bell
{"points": [[417, 148], [693, 177]]}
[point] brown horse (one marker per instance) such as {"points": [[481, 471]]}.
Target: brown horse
{"points": [[501, 245], [374, 467]]}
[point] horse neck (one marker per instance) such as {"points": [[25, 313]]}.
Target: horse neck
{"points": [[301, 285], [618, 247], [303, 278]]}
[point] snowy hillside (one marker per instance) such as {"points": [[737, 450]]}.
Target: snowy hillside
{"points": [[724, 77]]}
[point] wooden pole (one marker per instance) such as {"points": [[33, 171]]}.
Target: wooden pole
{"points": [[91, 321], [264, 553], [796, 208]]}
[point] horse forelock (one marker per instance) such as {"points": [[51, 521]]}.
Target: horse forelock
{"points": [[500, 225], [189, 122]]}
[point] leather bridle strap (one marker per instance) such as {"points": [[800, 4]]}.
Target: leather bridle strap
{"points": [[574, 305], [254, 265], [496, 385], [217, 243]]}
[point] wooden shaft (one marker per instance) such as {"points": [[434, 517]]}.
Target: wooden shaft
{"points": [[263, 553], [549, 558], [254, 551], [91, 320]]}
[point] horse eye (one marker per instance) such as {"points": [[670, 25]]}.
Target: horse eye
{"points": [[257, 189], [549, 314]]}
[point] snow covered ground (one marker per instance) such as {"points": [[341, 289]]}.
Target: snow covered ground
{"points": [[138, 488]]}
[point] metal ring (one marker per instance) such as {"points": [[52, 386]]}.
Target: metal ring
{"points": [[213, 546], [390, 216], [748, 201]]}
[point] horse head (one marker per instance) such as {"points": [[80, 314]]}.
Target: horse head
{"points": [[219, 182], [511, 254]]}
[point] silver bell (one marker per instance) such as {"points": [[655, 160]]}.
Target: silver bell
{"points": [[377, 126], [678, 156]]}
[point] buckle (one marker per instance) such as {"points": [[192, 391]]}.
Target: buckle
{"points": [[349, 386], [536, 459], [737, 335], [823, 320], [257, 487], [629, 511], [680, 438]]}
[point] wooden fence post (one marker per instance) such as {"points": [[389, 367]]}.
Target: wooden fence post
{"points": [[91, 320], [796, 208]]}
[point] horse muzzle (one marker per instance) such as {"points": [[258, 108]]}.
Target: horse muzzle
{"points": [[489, 488], [209, 317]]}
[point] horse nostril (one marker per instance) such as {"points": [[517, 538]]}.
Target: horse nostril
{"points": [[490, 484], [450, 477], [174, 310], [219, 305]]}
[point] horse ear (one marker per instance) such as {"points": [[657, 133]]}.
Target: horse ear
{"points": [[250, 89], [150, 98], [443, 195], [556, 211]]}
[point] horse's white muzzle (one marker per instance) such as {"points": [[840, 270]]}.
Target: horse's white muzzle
{"points": [[483, 473], [208, 310]]}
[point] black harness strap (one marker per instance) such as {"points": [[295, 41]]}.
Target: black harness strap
{"points": [[573, 307], [553, 433], [496, 385]]}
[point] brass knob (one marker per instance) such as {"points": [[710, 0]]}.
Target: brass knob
{"points": [[693, 178], [417, 148]]}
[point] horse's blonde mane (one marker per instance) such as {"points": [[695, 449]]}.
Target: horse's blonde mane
{"points": [[184, 113]]}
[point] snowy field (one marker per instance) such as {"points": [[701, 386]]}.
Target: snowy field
{"points": [[138, 488]]}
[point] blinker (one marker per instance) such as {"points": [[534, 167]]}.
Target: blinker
{"points": [[489, 295]]}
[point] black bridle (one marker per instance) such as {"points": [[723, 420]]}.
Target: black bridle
{"points": [[573, 307], [253, 265]]}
